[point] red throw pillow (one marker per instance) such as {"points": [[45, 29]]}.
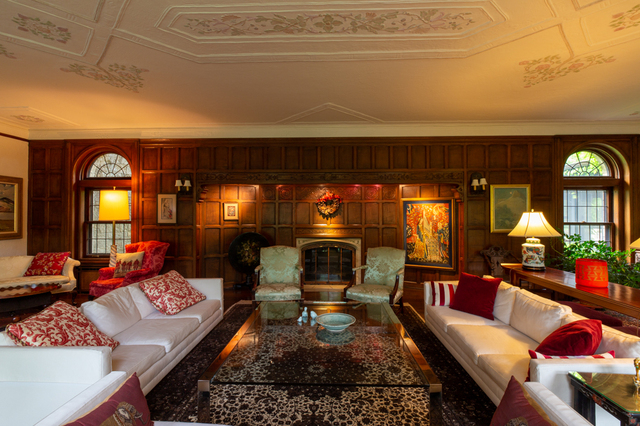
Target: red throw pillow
{"points": [[580, 337], [476, 295], [126, 406], [170, 293], [516, 404], [442, 294], [58, 325], [47, 264]]}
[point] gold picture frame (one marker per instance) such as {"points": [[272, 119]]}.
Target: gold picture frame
{"points": [[10, 208], [231, 211], [508, 202]]}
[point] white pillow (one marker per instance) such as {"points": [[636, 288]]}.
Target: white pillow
{"points": [[625, 345], [145, 307], [536, 316], [503, 305], [113, 312]]}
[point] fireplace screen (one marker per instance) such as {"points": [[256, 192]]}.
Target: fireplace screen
{"points": [[328, 263]]}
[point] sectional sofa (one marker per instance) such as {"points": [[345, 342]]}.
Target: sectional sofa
{"points": [[492, 351], [151, 344]]}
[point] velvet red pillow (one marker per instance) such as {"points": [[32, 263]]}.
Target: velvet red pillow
{"points": [[47, 264], [580, 337], [126, 406], [516, 404], [476, 295]]}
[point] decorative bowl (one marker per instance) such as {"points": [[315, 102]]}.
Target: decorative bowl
{"points": [[335, 322]]}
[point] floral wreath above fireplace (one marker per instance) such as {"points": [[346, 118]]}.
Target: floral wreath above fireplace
{"points": [[328, 205]]}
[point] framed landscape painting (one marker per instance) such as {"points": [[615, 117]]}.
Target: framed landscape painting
{"points": [[429, 233], [508, 202], [167, 206], [10, 208]]}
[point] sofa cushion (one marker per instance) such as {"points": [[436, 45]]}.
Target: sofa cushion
{"points": [[536, 316], [625, 345], [127, 262], [170, 293], [200, 311], [480, 340], [500, 367], [58, 325], [33, 281], [126, 406], [442, 293], [576, 338], [112, 312], [14, 266], [144, 305], [476, 295], [168, 332], [136, 358], [591, 313], [517, 404], [47, 264], [444, 317], [503, 305]]}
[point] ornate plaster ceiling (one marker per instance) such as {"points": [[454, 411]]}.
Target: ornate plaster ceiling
{"points": [[81, 68]]}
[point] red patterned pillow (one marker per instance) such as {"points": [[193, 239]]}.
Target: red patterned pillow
{"points": [[442, 294], [127, 262], [170, 293], [126, 406], [538, 355], [58, 325], [47, 264]]}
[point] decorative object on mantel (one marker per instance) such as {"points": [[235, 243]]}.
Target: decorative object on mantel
{"points": [[244, 254], [478, 184], [533, 224], [592, 273], [328, 205]]}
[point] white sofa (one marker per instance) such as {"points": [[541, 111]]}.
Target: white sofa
{"points": [[492, 351], [12, 269], [151, 343]]}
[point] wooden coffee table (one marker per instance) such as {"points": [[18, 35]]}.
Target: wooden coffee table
{"points": [[272, 347], [15, 299]]}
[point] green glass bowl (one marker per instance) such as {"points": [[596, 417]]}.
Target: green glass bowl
{"points": [[335, 322]]}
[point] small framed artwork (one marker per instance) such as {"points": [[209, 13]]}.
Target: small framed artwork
{"points": [[231, 211], [508, 202], [10, 208], [430, 233], [167, 208]]}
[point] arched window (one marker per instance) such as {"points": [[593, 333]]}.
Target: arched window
{"points": [[107, 171], [588, 191]]}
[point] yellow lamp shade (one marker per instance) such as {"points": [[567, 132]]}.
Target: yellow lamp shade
{"points": [[635, 245], [533, 224], [114, 205]]}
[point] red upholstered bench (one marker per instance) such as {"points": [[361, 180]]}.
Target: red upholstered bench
{"points": [[593, 314]]}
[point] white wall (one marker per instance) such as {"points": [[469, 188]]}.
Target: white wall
{"points": [[14, 162]]}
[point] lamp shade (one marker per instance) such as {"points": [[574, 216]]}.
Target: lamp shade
{"points": [[533, 224], [114, 205], [635, 244]]}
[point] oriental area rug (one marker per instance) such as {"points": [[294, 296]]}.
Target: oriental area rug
{"points": [[463, 402]]}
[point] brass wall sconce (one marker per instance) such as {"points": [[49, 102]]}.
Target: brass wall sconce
{"points": [[184, 184], [478, 184]]}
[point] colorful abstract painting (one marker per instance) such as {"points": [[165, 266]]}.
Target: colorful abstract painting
{"points": [[429, 233]]}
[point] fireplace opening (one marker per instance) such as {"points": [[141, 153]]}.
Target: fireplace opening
{"points": [[328, 263]]}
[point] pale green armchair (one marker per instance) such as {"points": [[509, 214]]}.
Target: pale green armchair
{"points": [[279, 274], [383, 277]]}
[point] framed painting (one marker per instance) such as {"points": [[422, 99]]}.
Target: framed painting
{"points": [[508, 202], [10, 208], [231, 211], [167, 208], [429, 233]]}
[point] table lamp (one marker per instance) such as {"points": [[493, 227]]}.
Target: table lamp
{"points": [[114, 205], [533, 224], [635, 245]]}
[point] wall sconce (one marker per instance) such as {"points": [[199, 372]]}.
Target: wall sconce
{"points": [[478, 184], [184, 184]]}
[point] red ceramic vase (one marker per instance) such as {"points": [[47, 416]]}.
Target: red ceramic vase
{"points": [[592, 273]]}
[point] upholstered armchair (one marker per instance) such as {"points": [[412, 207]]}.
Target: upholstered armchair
{"points": [[279, 274], [154, 253], [383, 277]]}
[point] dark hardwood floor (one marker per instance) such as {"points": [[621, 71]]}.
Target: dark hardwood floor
{"points": [[413, 297]]}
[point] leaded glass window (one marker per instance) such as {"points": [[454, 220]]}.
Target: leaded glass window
{"points": [[586, 164], [110, 166]]}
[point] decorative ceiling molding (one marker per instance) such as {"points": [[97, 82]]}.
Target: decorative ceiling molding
{"points": [[86, 9], [348, 114], [31, 118]]}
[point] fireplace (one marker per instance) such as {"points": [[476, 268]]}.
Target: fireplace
{"points": [[328, 261]]}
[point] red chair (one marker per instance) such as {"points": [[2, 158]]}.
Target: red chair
{"points": [[154, 252]]}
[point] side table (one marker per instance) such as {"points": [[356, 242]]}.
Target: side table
{"points": [[615, 393]]}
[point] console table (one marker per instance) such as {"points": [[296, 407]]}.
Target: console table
{"points": [[617, 297]]}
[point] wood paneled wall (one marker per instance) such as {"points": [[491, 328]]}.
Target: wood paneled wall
{"points": [[276, 181]]}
